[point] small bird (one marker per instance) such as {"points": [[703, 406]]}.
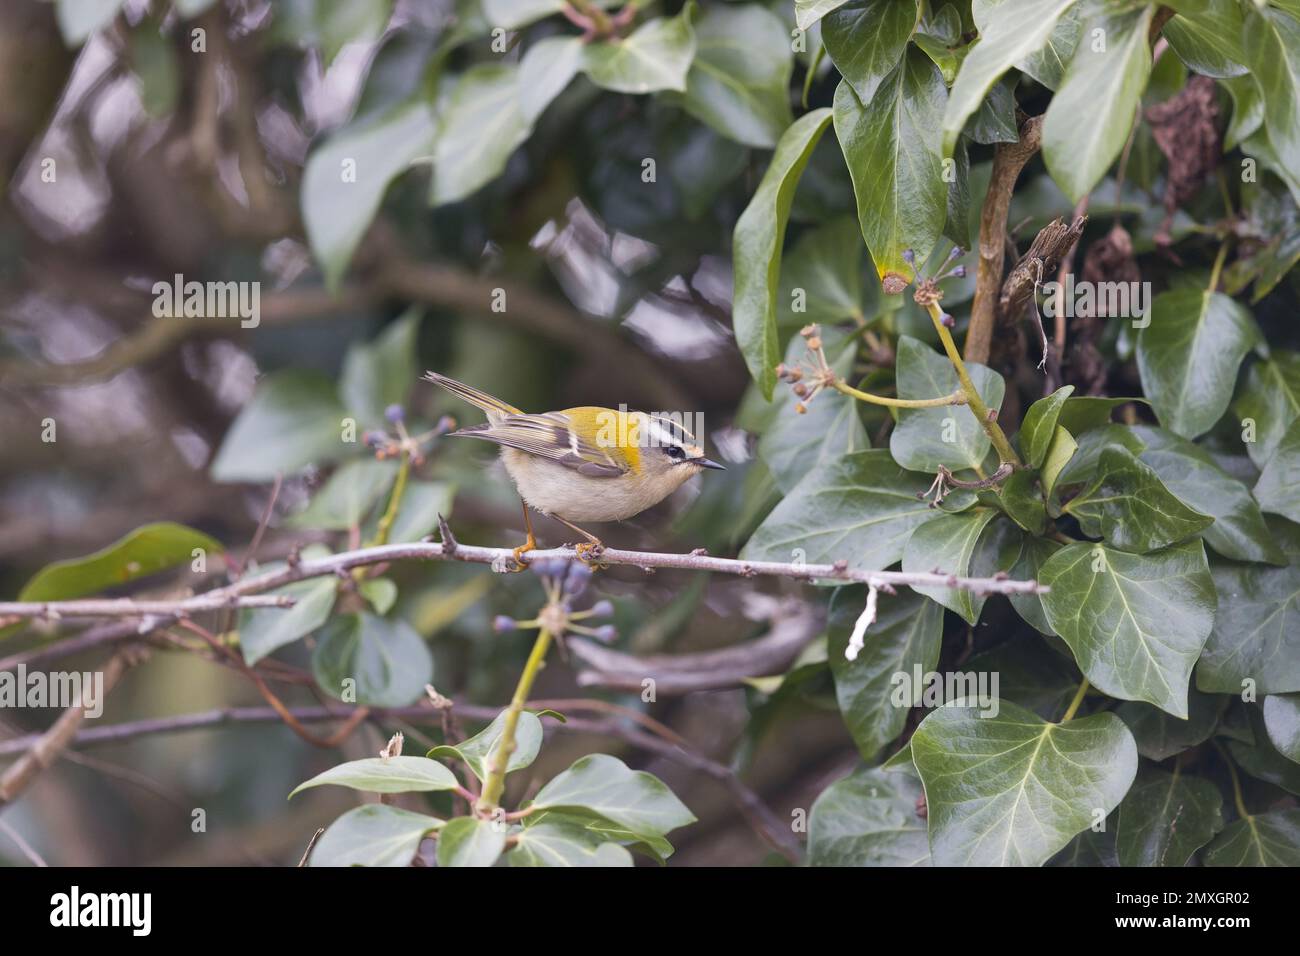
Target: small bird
{"points": [[584, 464]]}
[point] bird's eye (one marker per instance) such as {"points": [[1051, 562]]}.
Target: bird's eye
{"points": [[675, 453]]}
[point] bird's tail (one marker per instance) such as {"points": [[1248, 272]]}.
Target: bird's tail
{"points": [[493, 406]]}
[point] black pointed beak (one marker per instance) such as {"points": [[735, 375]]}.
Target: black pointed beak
{"points": [[708, 463]]}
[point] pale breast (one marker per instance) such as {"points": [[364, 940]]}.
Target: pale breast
{"points": [[555, 489]]}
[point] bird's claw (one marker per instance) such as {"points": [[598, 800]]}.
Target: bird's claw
{"points": [[519, 552], [589, 552]]}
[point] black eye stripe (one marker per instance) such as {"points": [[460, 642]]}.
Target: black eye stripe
{"points": [[673, 451]]}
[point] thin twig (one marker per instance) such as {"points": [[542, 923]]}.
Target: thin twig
{"points": [[129, 607]]}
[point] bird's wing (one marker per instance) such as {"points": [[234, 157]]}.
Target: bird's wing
{"points": [[549, 436]]}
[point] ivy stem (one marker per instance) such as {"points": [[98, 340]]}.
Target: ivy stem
{"points": [[1078, 699], [495, 784], [981, 411], [1236, 781], [1218, 266], [956, 398], [394, 500]]}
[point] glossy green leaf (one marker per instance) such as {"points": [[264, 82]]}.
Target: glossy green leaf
{"points": [[1266, 839], [1039, 426], [631, 798], [1260, 759], [1272, 42], [1021, 497], [1083, 464], [756, 248], [146, 550], [868, 818], [861, 509], [891, 144], [1060, 453], [907, 633], [564, 843], [479, 127], [656, 56], [866, 39], [1189, 355], [821, 280], [1278, 488], [1166, 818], [947, 544], [346, 177], [1128, 505], [1192, 475], [1268, 402], [1136, 623], [1160, 735], [1090, 116], [1208, 37], [1012, 790], [373, 835], [1282, 721], [1034, 553], [808, 12], [294, 419], [1015, 31], [948, 435], [740, 77], [1254, 638], [380, 593], [469, 841], [476, 750], [383, 662], [1047, 64], [653, 845], [1082, 413], [385, 775]]}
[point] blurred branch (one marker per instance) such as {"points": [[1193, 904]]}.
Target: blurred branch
{"points": [[129, 607]]}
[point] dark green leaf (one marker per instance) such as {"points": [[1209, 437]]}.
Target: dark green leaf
{"points": [[1160, 735], [1012, 790], [1166, 818], [1040, 424], [263, 630], [1207, 37], [867, 38], [1136, 623], [1033, 555], [1272, 42], [868, 819], [1254, 638], [756, 252], [821, 280], [947, 544], [383, 659], [1266, 839], [1269, 402], [1282, 721], [1278, 488]]}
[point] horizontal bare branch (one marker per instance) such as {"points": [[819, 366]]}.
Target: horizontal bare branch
{"points": [[128, 607]]}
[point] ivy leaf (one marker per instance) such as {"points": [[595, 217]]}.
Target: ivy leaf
{"points": [[1083, 413], [479, 126], [1282, 721], [891, 144], [545, 69], [907, 634], [821, 280], [1208, 37], [868, 819], [1166, 818], [380, 373], [1023, 502], [1160, 735], [1020, 29], [1254, 637], [1034, 553], [1012, 790], [1031, 672], [1047, 64], [391, 775], [756, 248], [346, 177], [995, 120], [948, 435], [654, 846], [476, 750], [469, 841], [861, 509], [1272, 42], [605, 786], [373, 835], [1266, 839], [867, 38], [263, 630], [1060, 453], [1129, 506], [351, 492], [294, 419], [1083, 465], [740, 76], [513, 14], [1261, 759], [146, 550], [558, 842], [1278, 488], [808, 12], [1189, 355], [1270, 399], [1090, 116], [1192, 475], [657, 56], [795, 445], [385, 660], [1039, 426], [947, 544], [1136, 623], [420, 509]]}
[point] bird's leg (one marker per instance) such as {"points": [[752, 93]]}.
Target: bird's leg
{"points": [[588, 551], [530, 544]]}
